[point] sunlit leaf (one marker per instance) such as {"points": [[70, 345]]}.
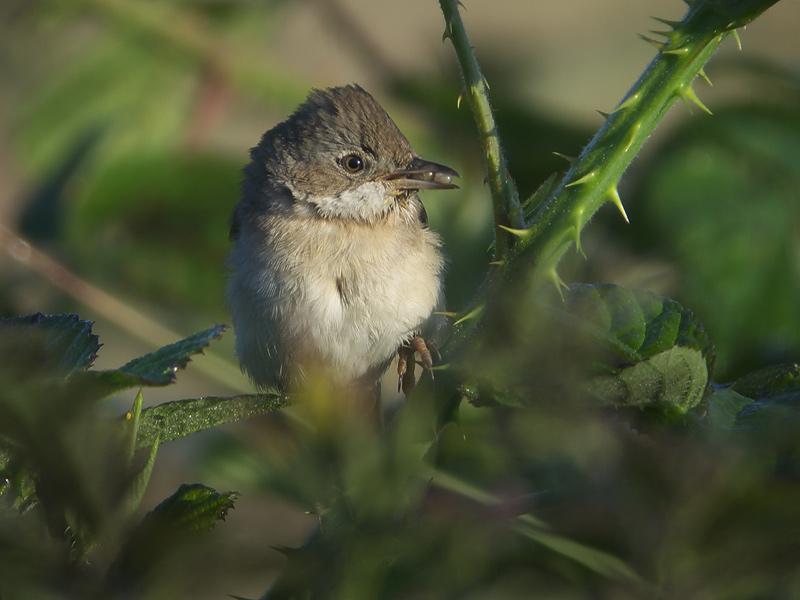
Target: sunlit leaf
{"points": [[174, 420]]}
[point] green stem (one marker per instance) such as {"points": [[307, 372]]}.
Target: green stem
{"points": [[505, 198], [593, 178]]}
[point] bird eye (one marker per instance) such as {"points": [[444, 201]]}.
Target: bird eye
{"points": [[352, 163]]}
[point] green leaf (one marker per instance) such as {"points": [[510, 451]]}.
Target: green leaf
{"points": [[657, 353], [636, 323], [738, 274], [67, 342], [158, 368], [724, 405], [194, 507], [676, 378], [769, 381], [191, 510], [174, 420], [142, 479], [778, 417]]}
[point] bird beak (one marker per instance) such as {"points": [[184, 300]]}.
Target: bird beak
{"points": [[424, 175]]}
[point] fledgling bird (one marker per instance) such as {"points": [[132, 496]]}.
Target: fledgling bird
{"points": [[333, 266]]}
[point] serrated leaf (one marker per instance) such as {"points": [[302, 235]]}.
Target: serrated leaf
{"points": [[769, 381], [636, 323], [192, 509], [174, 420], [158, 368], [67, 342], [676, 378], [659, 353]]}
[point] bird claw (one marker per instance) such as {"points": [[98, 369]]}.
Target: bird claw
{"points": [[406, 362]]}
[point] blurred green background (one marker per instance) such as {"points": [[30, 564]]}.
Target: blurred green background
{"points": [[124, 125]]}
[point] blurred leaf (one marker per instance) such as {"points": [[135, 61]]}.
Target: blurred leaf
{"points": [[656, 352], [635, 323], [139, 98], [157, 222], [769, 381], [720, 201], [193, 509], [724, 405], [68, 342], [142, 479], [779, 414], [177, 419], [676, 379]]}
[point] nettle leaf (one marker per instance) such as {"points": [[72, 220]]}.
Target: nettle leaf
{"points": [[769, 381], [764, 401], [193, 509], [724, 405], [65, 342], [158, 368], [657, 352], [174, 420]]}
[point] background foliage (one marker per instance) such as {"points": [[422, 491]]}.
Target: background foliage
{"points": [[617, 443]]}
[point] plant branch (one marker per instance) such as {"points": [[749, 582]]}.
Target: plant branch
{"points": [[594, 176], [505, 198]]}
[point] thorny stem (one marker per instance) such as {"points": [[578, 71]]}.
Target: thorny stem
{"points": [[593, 178], [505, 198]]}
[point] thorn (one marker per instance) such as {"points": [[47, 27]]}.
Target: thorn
{"points": [[497, 263], [461, 4], [628, 102], [458, 101], [448, 32], [585, 179], [690, 97], [520, 233], [614, 197], [558, 282], [603, 114], [473, 314], [677, 51], [577, 228], [445, 313], [651, 41], [738, 39], [702, 73], [667, 22], [569, 159], [632, 138], [486, 83], [661, 32]]}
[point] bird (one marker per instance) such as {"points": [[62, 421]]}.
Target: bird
{"points": [[333, 268]]}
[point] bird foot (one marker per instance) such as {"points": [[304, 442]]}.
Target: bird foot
{"points": [[406, 362]]}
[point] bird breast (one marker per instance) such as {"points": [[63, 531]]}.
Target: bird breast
{"points": [[339, 293]]}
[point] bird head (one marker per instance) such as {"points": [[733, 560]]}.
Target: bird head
{"points": [[341, 156]]}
